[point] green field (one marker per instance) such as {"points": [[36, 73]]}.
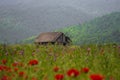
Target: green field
{"points": [[52, 60]]}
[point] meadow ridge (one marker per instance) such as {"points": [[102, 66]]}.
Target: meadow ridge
{"points": [[57, 62]]}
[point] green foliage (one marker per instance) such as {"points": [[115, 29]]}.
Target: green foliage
{"points": [[29, 40], [105, 29], [100, 59]]}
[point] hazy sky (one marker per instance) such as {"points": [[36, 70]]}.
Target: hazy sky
{"points": [[35, 16], [90, 6]]}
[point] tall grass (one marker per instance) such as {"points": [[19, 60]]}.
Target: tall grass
{"points": [[100, 59]]}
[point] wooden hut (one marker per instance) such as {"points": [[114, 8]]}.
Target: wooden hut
{"points": [[52, 38]]}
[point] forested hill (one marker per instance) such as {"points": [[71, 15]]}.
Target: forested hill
{"points": [[105, 29]]}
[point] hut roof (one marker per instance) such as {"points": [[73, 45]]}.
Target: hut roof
{"points": [[48, 37]]}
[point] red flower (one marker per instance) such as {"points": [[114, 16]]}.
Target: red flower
{"points": [[96, 77], [21, 74], [4, 78], [112, 78], [59, 77], [33, 78], [33, 62], [55, 69], [4, 61], [73, 73], [15, 64], [9, 69], [1, 68], [15, 69], [85, 70], [4, 68]]}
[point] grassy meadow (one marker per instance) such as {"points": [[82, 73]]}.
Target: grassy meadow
{"points": [[57, 62]]}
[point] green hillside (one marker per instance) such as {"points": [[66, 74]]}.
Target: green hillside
{"points": [[105, 29], [29, 40]]}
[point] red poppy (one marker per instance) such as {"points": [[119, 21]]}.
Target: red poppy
{"points": [[4, 61], [112, 78], [4, 78], [15, 69], [73, 73], [59, 77], [96, 77], [15, 64], [33, 78], [55, 69], [4, 68], [33, 62], [85, 70], [21, 74], [9, 69], [1, 68]]}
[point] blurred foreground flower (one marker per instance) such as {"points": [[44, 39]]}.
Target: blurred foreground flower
{"points": [[21, 52], [33, 62], [88, 51], [73, 73], [55, 69], [15, 64], [4, 61], [16, 69], [33, 78], [59, 77], [85, 70], [96, 77], [6, 53], [112, 78], [5, 78], [5, 68], [21, 74]]}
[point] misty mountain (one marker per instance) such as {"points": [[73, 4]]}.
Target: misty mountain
{"points": [[20, 19], [20, 25], [105, 29]]}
